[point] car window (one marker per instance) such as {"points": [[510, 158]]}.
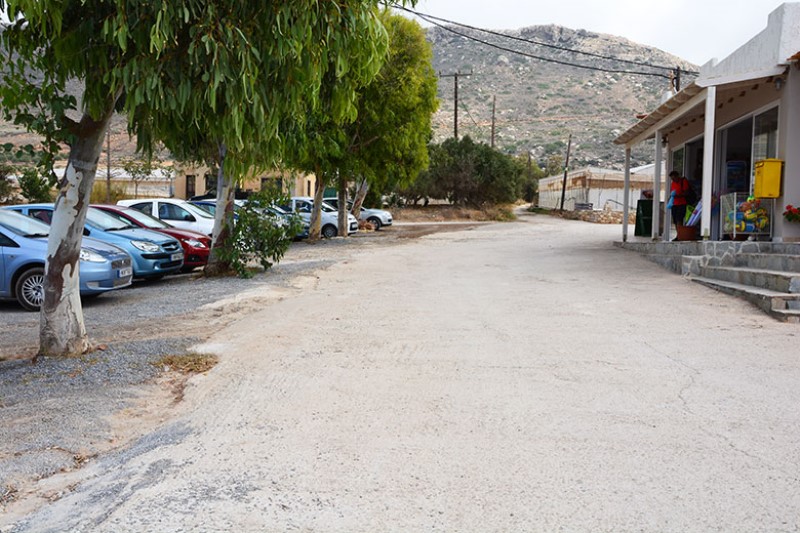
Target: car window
{"points": [[303, 206], [101, 219], [172, 212], [144, 207], [142, 218], [22, 225], [45, 215], [7, 242], [327, 207]]}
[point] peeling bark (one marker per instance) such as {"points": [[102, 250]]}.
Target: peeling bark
{"points": [[316, 217], [223, 219], [358, 201], [62, 331], [342, 212]]}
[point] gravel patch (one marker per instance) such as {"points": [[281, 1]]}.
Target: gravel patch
{"points": [[59, 413]]}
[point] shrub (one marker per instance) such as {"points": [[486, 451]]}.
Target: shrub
{"points": [[258, 234], [34, 186]]}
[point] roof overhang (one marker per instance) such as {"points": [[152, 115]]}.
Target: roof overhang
{"points": [[686, 101]]}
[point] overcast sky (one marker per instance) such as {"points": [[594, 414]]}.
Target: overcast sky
{"points": [[695, 30]]}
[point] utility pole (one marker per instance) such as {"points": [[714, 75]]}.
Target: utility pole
{"points": [[676, 79], [494, 101], [566, 170], [108, 164], [455, 76]]}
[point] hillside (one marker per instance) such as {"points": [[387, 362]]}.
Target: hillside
{"points": [[540, 103]]}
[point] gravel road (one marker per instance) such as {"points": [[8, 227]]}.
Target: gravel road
{"points": [[516, 377]]}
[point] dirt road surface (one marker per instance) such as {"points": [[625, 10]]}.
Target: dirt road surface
{"points": [[513, 377]]}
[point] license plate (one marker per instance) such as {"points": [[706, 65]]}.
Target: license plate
{"points": [[125, 272], [176, 257]]}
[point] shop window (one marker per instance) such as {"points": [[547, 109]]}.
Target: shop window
{"points": [[765, 135]]}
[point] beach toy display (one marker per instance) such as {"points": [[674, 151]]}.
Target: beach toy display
{"points": [[749, 216]]}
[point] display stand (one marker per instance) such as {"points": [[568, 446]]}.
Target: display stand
{"points": [[740, 217]]}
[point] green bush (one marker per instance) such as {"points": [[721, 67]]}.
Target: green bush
{"points": [[258, 235], [33, 186]]}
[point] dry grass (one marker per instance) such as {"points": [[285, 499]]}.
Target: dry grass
{"points": [[453, 213], [190, 363]]}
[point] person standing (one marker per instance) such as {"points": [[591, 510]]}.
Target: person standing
{"points": [[679, 190]]}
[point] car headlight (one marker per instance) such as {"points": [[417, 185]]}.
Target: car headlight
{"points": [[92, 257], [194, 243], [146, 246]]}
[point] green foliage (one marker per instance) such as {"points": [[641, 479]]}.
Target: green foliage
{"points": [[259, 235], [34, 187], [469, 173]]}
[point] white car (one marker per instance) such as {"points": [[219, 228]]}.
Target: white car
{"points": [[377, 217], [176, 212], [302, 205]]}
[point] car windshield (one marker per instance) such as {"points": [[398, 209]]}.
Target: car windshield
{"points": [[210, 208], [328, 208], [201, 211], [22, 225], [104, 221], [142, 218]]}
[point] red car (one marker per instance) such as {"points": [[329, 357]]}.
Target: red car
{"points": [[196, 246]]}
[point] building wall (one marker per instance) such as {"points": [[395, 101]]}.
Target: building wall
{"points": [[773, 46], [789, 151], [602, 188]]}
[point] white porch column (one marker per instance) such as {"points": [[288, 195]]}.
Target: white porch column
{"points": [[708, 160], [626, 195], [657, 188]]}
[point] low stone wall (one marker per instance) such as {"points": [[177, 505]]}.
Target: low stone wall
{"points": [[606, 216]]}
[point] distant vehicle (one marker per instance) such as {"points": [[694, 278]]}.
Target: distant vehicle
{"points": [[176, 212], [154, 254], [196, 246], [23, 249], [303, 205], [377, 217]]}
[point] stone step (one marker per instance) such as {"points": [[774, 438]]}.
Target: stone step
{"points": [[771, 261], [783, 306], [775, 280]]}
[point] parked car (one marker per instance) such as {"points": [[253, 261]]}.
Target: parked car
{"points": [[154, 254], [23, 249], [302, 205], [196, 246], [176, 212], [377, 217]]}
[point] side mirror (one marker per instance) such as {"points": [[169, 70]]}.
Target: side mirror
{"points": [[189, 217], [86, 232]]}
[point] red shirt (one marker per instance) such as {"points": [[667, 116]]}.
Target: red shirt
{"points": [[681, 189]]}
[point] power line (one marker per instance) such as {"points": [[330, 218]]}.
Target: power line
{"points": [[539, 43], [541, 58]]}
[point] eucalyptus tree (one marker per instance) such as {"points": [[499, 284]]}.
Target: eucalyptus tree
{"points": [[384, 142], [240, 68]]}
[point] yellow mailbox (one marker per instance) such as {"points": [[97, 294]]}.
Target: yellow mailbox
{"points": [[768, 178]]}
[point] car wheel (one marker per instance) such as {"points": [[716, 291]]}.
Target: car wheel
{"points": [[376, 223], [329, 231], [30, 289]]}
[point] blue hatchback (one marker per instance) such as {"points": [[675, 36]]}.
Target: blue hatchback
{"points": [[23, 248], [154, 254]]}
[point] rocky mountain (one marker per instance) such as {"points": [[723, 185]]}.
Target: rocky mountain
{"points": [[538, 103]]}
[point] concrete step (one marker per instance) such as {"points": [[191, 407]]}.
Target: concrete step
{"points": [[771, 261], [775, 280], [783, 306]]}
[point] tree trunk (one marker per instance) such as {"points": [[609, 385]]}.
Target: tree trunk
{"points": [[223, 219], [61, 326], [361, 193], [316, 218], [341, 214]]}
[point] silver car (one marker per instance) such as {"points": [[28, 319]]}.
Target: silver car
{"points": [[377, 217]]}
